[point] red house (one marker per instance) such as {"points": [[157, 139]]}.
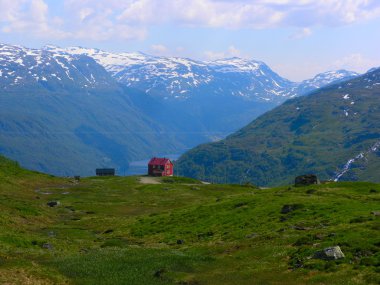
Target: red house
{"points": [[160, 167]]}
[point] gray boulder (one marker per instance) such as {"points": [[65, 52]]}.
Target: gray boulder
{"points": [[306, 180], [330, 253]]}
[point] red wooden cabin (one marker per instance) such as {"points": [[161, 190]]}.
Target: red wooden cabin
{"points": [[160, 167]]}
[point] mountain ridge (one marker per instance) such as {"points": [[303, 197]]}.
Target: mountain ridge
{"points": [[332, 129], [199, 74], [61, 92]]}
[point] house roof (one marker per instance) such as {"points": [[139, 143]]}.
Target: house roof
{"points": [[159, 161]]}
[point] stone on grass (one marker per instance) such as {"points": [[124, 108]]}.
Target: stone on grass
{"points": [[306, 180], [48, 246], [330, 253], [252, 235], [290, 208], [159, 273], [53, 203]]}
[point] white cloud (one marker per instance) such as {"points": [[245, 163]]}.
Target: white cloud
{"points": [[308, 68], [159, 49], [356, 62], [162, 50], [9, 10], [249, 14], [130, 19], [230, 52], [31, 17], [301, 34]]}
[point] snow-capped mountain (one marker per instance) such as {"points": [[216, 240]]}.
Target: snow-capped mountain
{"points": [[23, 68], [182, 78], [141, 105], [163, 77], [323, 79]]}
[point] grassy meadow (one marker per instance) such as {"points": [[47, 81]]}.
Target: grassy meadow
{"points": [[116, 230]]}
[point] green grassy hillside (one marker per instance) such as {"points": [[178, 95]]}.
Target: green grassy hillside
{"points": [[319, 133], [119, 231]]}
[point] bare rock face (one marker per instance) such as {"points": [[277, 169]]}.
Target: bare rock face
{"points": [[330, 253], [306, 180]]}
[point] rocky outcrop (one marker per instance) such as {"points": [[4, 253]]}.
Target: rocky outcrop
{"points": [[306, 180], [330, 253]]}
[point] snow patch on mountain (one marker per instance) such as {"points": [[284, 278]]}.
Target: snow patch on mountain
{"points": [[49, 67], [172, 75], [166, 77], [324, 79]]}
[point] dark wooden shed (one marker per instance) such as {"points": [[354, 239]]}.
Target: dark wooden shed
{"points": [[105, 172]]}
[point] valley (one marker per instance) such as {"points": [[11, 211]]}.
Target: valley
{"points": [[80, 109], [189, 142]]}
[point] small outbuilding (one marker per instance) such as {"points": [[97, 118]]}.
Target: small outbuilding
{"points": [[160, 167], [105, 172]]}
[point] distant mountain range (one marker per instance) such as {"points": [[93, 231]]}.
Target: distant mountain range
{"points": [[65, 111], [183, 78], [334, 132]]}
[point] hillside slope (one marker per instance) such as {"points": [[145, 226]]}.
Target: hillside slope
{"points": [[116, 230], [206, 100], [64, 114], [334, 133], [69, 111]]}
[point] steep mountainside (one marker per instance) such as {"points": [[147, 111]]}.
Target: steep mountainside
{"points": [[182, 78], [334, 132], [23, 69], [66, 115], [208, 99], [67, 111]]}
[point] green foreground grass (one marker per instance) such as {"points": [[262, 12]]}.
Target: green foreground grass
{"points": [[119, 231]]}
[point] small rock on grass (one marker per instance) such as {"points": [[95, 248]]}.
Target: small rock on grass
{"points": [[53, 203], [159, 273], [330, 253], [252, 235], [48, 246], [290, 208]]}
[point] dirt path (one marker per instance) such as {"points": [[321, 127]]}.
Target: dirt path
{"points": [[149, 180]]}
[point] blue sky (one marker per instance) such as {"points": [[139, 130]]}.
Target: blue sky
{"points": [[297, 39]]}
